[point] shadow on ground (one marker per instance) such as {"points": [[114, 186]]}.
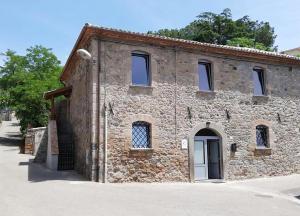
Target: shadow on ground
{"points": [[13, 135], [4, 141], [14, 124], [39, 173]]}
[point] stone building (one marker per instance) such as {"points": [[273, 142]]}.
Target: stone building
{"points": [[145, 108], [293, 52]]}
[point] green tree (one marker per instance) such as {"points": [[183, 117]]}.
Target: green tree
{"points": [[246, 42], [3, 99], [23, 81], [222, 29]]}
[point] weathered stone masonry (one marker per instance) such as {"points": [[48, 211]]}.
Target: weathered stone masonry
{"points": [[79, 117], [174, 89]]}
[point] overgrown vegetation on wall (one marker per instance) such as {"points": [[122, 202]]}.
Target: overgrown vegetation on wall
{"points": [[24, 79], [222, 29]]}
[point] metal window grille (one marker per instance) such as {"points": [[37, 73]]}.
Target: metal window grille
{"points": [[261, 136], [141, 135]]}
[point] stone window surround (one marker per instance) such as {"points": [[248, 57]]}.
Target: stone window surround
{"points": [[153, 132], [271, 138], [198, 58]]}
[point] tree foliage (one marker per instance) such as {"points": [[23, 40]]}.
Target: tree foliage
{"points": [[246, 42], [24, 79], [222, 29]]}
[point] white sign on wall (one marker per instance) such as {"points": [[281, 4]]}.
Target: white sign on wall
{"points": [[184, 144]]}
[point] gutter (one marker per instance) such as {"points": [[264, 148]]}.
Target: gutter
{"points": [[105, 148], [103, 157]]}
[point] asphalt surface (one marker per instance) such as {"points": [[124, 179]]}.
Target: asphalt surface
{"points": [[28, 189]]}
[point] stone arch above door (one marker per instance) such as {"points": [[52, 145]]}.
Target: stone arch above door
{"points": [[217, 128]]}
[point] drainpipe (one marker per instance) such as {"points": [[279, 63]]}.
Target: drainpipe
{"points": [[105, 145], [94, 110], [104, 153]]}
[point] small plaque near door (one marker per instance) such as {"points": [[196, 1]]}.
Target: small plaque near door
{"points": [[184, 144]]}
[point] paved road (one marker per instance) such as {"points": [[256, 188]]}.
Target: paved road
{"points": [[28, 189]]}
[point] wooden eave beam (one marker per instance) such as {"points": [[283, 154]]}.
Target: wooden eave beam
{"points": [[65, 91]]}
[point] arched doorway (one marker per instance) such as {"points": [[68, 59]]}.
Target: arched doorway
{"points": [[207, 154]]}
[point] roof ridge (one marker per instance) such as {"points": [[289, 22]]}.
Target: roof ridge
{"points": [[297, 48], [244, 49]]}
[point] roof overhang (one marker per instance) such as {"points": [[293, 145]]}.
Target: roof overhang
{"points": [[65, 91], [90, 31]]}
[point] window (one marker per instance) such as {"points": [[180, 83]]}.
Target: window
{"points": [[141, 135], [140, 69], [205, 76], [259, 81], [262, 136]]}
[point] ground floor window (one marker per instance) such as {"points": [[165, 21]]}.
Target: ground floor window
{"points": [[262, 136], [141, 134]]}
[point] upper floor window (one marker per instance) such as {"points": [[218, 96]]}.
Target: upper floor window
{"points": [[141, 135], [262, 137], [205, 76], [140, 74], [259, 81]]}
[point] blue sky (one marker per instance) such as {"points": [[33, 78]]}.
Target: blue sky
{"points": [[57, 23]]}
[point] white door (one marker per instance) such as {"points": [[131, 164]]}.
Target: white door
{"points": [[200, 159]]}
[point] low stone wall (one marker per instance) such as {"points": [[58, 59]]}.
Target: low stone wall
{"points": [[5, 115], [36, 141], [29, 143], [52, 148]]}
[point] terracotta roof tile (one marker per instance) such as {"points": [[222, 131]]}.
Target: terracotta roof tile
{"points": [[90, 30], [245, 49]]}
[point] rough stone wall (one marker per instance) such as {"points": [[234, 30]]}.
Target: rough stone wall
{"points": [[5, 115], [233, 91], [79, 116], [36, 143], [174, 88], [29, 143], [39, 137], [166, 162], [40, 144]]}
